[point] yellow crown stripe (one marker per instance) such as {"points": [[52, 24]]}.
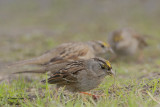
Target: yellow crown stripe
{"points": [[118, 38], [106, 44], [108, 63]]}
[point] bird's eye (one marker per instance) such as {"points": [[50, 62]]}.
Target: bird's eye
{"points": [[103, 66], [102, 46], [109, 68]]}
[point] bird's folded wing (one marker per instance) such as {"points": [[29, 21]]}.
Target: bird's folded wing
{"points": [[66, 75], [141, 40], [70, 53]]}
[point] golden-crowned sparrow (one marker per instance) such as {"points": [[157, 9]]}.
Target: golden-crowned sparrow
{"points": [[77, 76], [71, 51], [126, 41]]}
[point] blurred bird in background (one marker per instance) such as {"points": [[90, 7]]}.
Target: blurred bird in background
{"points": [[126, 42]]}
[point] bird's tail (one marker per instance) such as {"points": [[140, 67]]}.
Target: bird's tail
{"points": [[35, 61], [42, 70], [143, 42]]}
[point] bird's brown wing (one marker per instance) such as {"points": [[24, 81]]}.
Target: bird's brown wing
{"points": [[67, 75], [72, 52], [139, 37], [62, 52], [142, 41]]}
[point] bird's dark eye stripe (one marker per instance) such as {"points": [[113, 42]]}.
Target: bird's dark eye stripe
{"points": [[103, 67], [109, 68], [102, 46], [103, 63]]}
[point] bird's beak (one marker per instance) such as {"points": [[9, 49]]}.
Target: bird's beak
{"points": [[112, 73], [111, 50]]}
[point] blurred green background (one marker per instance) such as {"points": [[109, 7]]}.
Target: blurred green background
{"points": [[30, 27]]}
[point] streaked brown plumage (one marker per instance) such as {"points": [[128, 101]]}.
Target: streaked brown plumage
{"points": [[70, 51], [77, 76]]}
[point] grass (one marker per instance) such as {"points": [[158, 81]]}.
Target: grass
{"points": [[124, 92], [28, 29]]}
